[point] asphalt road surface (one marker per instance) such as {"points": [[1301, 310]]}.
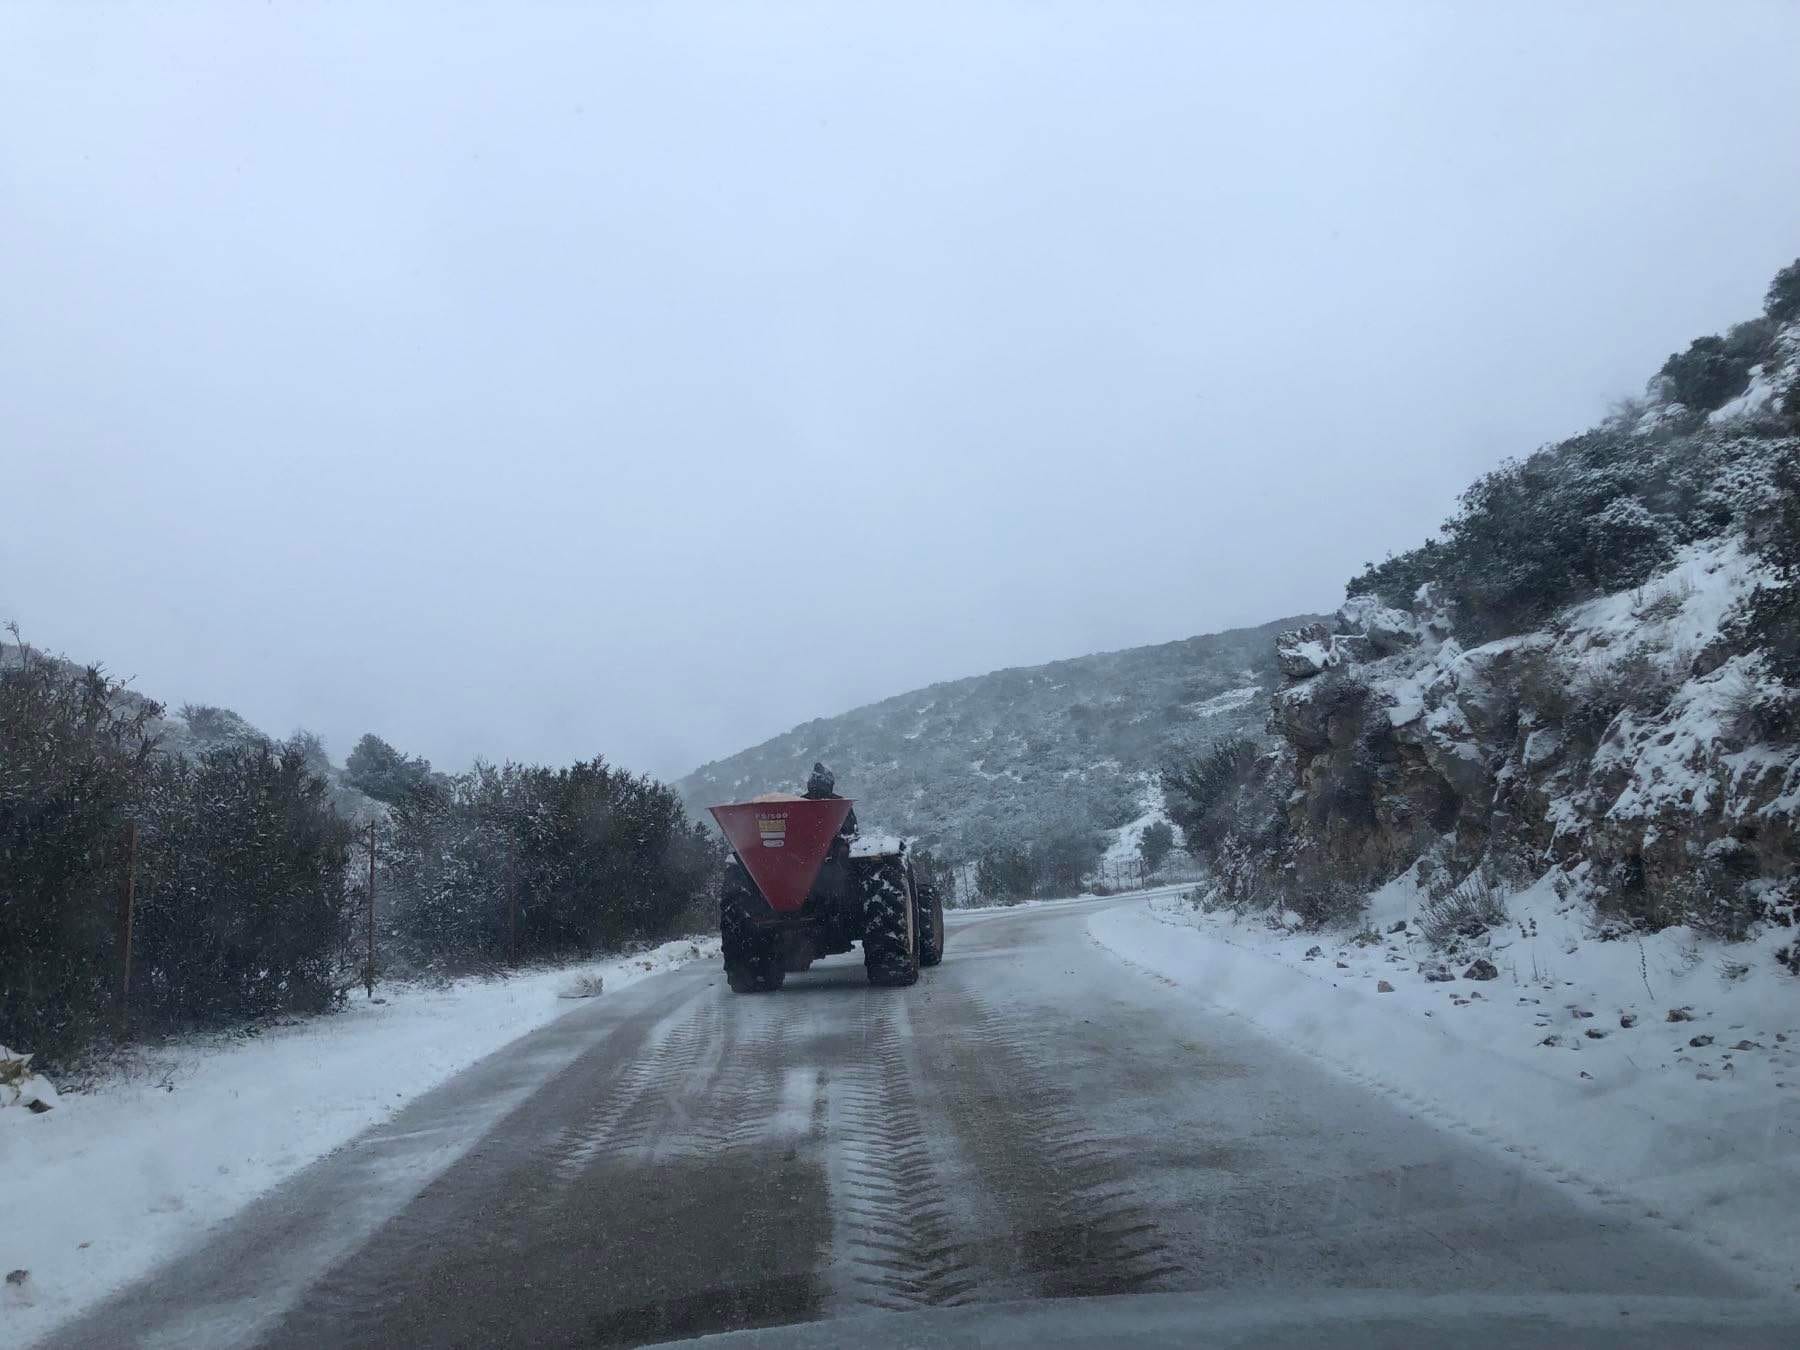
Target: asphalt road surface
{"points": [[1034, 1119]]}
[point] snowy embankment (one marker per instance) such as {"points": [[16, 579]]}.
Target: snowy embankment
{"points": [[1068, 901], [1566, 1057], [112, 1181]]}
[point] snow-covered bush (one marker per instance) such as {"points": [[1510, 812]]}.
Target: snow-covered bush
{"points": [[1782, 304], [241, 894], [374, 767], [1320, 892], [1465, 909], [1156, 843], [1712, 371], [244, 896], [73, 761], [538, 862]]}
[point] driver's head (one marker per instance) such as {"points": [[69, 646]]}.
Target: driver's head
{"points": [[821, 783]]}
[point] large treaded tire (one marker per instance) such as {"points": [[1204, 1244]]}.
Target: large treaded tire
{"points": [[751, 966], [931, 925], [891, 926]]}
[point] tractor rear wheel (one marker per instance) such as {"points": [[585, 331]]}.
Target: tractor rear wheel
{"points": [[931, 925], [890, 926], [752, 964]]}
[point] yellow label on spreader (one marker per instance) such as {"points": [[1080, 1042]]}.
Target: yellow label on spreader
{"points": [[773, 830]]}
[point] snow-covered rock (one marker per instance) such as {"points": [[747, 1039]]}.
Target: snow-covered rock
{"points": [[1613, 736], [1302, 653], [20, 1087], [1387, 629]]}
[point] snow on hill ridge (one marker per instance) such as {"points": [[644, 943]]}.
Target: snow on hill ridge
{"points": [[995, 760]]}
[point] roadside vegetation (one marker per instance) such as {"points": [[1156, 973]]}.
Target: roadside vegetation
{"points": [[247, 861]]}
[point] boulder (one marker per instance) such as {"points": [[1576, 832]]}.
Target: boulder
{"points": [[1386, 629], [1305, 652]]}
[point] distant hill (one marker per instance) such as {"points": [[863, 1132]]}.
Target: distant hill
{"points": [[997, 760]]}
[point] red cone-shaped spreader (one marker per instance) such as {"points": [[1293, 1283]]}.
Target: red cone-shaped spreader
{"points": [[783, 842]]}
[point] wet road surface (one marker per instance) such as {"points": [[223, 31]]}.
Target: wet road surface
{"points": [[1033, 1119]]}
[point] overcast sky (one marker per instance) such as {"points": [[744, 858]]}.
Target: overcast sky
{"points": [[549, 380]]}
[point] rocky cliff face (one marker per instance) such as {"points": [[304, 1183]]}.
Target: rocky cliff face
{"points": [[1594, 671], [1627, 741]]}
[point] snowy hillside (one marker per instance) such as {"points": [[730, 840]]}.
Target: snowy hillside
{"points": [[1588, 685], [997, 760]]}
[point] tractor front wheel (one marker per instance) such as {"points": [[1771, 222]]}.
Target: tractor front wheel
{"points": [[931, 925]]}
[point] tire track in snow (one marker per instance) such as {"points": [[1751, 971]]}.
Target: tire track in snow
{"points": [[740, 1095], [1073, 1220], [625, 1115], [895, 1235]]}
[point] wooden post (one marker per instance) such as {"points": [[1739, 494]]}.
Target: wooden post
{"points": [[512, 912], [127, 903], [369, 969]]}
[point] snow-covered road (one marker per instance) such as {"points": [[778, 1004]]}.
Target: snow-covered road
{"points": [[1037, 1117]]}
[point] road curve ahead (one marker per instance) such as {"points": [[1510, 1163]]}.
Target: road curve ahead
{"points": [[1034, 1119]]}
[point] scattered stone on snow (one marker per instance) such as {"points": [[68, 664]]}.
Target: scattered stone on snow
{"points": [[1628, 1020], [1399, 926], [1698, 1041], [1594, 1034], [1383, 987], [1681, 1015], [1482, 969]]}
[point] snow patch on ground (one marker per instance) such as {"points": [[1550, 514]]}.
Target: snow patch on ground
{"points": [[1756, 398], [1067, 901], [1228, 701], [1566, 1058], [1125, 844], [113, 1181]]}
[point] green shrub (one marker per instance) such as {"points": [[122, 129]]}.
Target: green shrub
{"points": [[244, 898], [587, 857], [1782, 303], [1204, 789], [73, 762], [1707, 375], [1155, 844]]}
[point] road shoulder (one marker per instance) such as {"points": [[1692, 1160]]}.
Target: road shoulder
{"points": [[1641, 1141]]}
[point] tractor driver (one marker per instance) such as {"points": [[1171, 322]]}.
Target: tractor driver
{"points": [[823, 784]]}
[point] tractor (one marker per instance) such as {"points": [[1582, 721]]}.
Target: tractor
{"points": [[795, 890]]}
